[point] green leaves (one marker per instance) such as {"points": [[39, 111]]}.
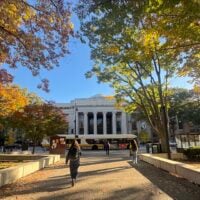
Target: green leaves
{"points": [[186, 105], [137, 46]]}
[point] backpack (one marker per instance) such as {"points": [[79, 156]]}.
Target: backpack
{"points": [[73, 153], [134, 146]]}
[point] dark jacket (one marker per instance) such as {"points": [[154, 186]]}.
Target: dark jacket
{"points": [[133, 146], [73, 154]]}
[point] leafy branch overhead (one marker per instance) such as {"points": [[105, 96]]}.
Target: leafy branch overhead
{"points": [[34, 34], [170, 27]]}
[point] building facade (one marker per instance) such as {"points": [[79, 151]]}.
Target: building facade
{"points": [[99, 116]]}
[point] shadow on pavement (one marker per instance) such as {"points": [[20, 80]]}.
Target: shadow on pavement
{"points": [[102, 171], [86, 163], [176, 187], [55, 167], [54, 183], [85, 194], [48, 185]]}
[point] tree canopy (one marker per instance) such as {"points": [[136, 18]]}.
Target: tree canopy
{"points": [[33, 34], [137, 46], [12, 98], [185, 105], [38, 121]]}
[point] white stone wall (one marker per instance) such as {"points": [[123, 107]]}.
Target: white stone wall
{"points": [[9, 175]]}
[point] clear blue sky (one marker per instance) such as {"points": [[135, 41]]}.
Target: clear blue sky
{"points": [[68, 81]]}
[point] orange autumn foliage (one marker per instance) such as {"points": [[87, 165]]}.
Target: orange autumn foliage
{"points": [[34, 34]]}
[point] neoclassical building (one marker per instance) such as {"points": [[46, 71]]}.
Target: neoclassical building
{"points": [[98, 115]]}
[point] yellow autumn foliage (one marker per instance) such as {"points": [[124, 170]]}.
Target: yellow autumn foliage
{"points": [[196, 89], [184, 71], [112, 50], [12, 98], [34, 34], [13, 13], [150, 40]]}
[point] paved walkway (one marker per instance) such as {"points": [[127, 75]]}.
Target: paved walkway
{"points": [[102, 178]]}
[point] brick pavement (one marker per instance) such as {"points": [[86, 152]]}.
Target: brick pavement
{"points": [[102, 178]]}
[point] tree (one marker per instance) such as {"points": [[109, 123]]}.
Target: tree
{"points": [[33, 34], [134, 52], [176, 22], [144, 136], [38, 121], [184, 104], [12, 98], [33, 99], [10, 137]]}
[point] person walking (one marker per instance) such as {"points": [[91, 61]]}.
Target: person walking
{"points": [[107, 147], [134, 150], [74, 157]]}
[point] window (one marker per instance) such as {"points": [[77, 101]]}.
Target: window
{"points": [[81, 123], [90, 123], [109, 122], [118, 123], [99, 123]]}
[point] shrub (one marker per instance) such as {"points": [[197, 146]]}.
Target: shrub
{"points": [[193, 153]]}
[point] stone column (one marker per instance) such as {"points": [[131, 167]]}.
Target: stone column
{"points": [[104, 123], [95, 122], [85, 123], [77, 124], [130, 121], [114, 122], [124, 123]]}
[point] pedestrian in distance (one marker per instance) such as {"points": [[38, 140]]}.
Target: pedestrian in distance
{"points": [[133, 150], [73, 157], [107, 147]]}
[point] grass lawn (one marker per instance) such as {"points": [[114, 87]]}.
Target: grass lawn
{"points": [[4, 165]]}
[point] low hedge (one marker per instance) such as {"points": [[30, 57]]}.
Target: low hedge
{"points": [[193, 153]]}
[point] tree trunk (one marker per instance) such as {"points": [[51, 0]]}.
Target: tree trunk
{"points": [[33, 150], [164, 145], [166, 128]]}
